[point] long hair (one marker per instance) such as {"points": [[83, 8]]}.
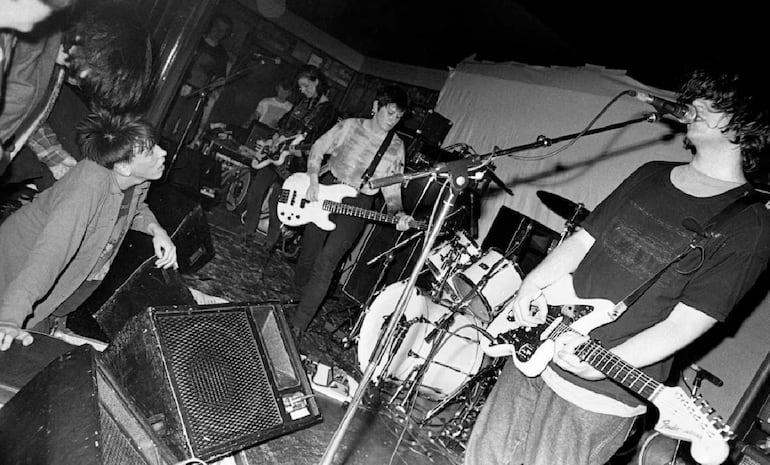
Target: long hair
{"points": [[114, 47], [742, 97], [314, 74], [109, 138]]}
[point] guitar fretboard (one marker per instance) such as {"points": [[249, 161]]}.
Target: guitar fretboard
{"points": [[351, 210], [611, 365]]}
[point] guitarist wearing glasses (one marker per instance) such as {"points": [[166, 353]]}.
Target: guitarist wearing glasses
{"points": [[313, 115], [576, 412], [352, 145]]}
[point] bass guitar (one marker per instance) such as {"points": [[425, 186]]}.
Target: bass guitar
{"points": [[682, 417], [294, 209], [266, 152]]}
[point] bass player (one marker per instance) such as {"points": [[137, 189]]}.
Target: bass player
{"points": [[352, 145]]}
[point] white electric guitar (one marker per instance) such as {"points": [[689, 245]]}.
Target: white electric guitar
{"points": [[681, 416], [295, 210]]}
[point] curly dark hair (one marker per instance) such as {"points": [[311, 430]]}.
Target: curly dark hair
{"points": [[742, 96], [109, 138], [114, 46]]}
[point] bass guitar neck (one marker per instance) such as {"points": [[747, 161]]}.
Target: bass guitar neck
{"points": [[294, 209]]}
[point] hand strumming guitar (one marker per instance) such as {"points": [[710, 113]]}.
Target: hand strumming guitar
{"points": [[404, 221]]}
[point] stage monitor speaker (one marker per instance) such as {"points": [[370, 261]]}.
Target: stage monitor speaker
{"points": [[214, 379], [192, 171], [182, 216], [74, 413], [520, 237], [114, 302]]}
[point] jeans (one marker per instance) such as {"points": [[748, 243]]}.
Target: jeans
{"points": [[322, 252], [524, 422], [261, 180]]}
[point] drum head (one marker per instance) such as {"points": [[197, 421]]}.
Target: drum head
{"points": [[457, 357]]}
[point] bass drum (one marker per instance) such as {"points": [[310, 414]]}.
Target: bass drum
{"points": [[487, 285], [458, 355]]}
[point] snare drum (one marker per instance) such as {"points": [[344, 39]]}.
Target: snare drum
{"points": [[454, 363], [487, 285], [452, 255]]}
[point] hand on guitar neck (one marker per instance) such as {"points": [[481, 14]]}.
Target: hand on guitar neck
{"points": [[295, 207]]}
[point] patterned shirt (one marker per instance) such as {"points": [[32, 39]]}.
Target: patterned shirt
{"points": [[351, 147]]}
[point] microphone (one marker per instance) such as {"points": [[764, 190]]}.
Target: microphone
{"points": [[705, 374], [683, 113]]}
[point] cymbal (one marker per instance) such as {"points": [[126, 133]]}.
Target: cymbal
{"points": [[565, 208]]}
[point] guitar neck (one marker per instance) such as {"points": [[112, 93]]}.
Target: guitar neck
{"points": [[614, 367], [351, 210]]}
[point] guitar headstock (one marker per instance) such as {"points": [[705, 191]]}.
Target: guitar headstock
{"points": [[692, 419]]}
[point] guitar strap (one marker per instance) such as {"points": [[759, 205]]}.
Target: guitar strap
{"points": [[376, 160], [705, 238]]}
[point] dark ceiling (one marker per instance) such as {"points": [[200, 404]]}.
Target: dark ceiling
{"points": [[655, 41]]}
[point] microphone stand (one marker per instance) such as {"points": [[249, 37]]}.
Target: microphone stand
{"points": [[457, 171], [201, 94], [459, 179]]}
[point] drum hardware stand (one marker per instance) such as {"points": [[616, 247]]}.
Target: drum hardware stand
{"points": [[387, 258], [418, 372], [569, 227], [457, 172]]}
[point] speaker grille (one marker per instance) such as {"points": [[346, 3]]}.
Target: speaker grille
{"points": [[116, 447], [219, 376]]}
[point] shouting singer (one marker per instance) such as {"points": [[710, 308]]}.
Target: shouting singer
{"points": [[352, 144], [571, 414]]}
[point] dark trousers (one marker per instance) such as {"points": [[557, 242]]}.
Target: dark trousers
{"points": [[322, 252], [261, 180]]}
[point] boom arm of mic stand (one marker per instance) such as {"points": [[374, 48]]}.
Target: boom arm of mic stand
{"points": [[380, 349], [543, 141]]}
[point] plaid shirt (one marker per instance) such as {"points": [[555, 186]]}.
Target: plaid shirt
{"points": [[44, 142]]}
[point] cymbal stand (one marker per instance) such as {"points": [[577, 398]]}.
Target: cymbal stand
{"points": [[387, 256], [569, 226], [458, 175]]}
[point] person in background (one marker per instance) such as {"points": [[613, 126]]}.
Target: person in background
{"points": [[209, 63], [103, 60], [271, 109], [351, 145], [18, 16], [56, 250], [572, 414], [313, 115]]}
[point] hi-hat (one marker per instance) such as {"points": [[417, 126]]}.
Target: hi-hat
{"points": [[565, 208]]}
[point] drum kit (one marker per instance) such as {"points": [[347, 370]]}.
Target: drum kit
{"points": [[435, 354]]}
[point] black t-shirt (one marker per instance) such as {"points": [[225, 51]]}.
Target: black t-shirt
{"points": [[638, 230]]}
